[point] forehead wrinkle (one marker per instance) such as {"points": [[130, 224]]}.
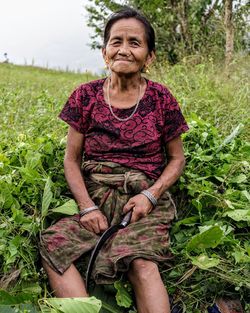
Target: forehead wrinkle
{"points": [[122, 26]]}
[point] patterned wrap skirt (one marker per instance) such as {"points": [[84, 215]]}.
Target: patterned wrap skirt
{"points": [[110, 186]]}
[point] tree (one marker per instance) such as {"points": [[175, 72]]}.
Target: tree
{"points": [[183, 27], [229, 28], [99, 11]]}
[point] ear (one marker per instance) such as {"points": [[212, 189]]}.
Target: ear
{"points": [[104, 55], [150, 58]]}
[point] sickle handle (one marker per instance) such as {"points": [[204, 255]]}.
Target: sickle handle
{"points": [[126, 219]]}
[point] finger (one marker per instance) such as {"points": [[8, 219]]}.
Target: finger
{"points": [[103, 224], [90, 224], [138, 214], [127, 207], [134, 217], [93, 223], [95, 226], [86, 225]]}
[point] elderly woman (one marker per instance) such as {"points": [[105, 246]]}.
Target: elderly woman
{"points": [[123, 152]]}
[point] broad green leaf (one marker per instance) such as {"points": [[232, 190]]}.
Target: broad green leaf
{"points": [[197, 204], [46, 309], [241, 257], [247, 247], [123, 298], [204, 262], [48, 148], [240, 179], [189, 221], [29, 174], [33, 159], [47, 197], [207, 239], [206, 158], [229, 204], [72, 305], [33, 288], [8, 299], [107, 308], [4, 159], [7, 309], [69, 208], [204, 228], [6, 198], [246, 194], [233, 134], [22, 308], [239, 215], [227, 229], [221, 179], [106, 294]]}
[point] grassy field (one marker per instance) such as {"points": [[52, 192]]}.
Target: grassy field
{"points": [[210, 240], [204, 89]]}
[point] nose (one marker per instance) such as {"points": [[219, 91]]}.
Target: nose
{"points": [[124, 50]]}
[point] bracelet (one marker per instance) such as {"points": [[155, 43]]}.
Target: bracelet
{"points": [[88, 210], [150, 197]]}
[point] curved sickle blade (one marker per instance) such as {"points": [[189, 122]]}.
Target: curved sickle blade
{"points": [[104, 237]]}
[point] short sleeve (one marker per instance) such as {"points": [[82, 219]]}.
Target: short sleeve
{"points": [[76, 111], [174, 121]]}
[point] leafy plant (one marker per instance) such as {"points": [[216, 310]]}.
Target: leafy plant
{"points": [[70, 305], [210, 239]]}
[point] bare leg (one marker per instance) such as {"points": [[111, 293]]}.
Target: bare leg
{"points": [[150, 292], [69, 284]]}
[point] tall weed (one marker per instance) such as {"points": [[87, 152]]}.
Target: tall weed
{"points": [[206, 89]]}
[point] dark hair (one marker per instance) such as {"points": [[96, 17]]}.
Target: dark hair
{"points": [[130, 13]]}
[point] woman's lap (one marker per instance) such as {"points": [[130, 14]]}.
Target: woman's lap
{"points": [[64, 242]]}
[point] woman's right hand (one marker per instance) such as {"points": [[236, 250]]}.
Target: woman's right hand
{"points": [[94, 221]]}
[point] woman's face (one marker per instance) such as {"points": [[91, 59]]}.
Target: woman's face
{"points": [[126, 51]]}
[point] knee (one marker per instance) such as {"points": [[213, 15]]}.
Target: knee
{"points": [[48, 270], [46, 266], [142, 270]]}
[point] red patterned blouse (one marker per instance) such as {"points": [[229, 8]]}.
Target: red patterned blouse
{"points": [[138, 143]]}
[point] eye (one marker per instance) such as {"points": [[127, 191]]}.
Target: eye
{"points": [[116, 42], [134, 43]]}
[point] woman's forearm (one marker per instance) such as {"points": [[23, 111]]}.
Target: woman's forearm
{"points": [[76, 183], [168, 177]]}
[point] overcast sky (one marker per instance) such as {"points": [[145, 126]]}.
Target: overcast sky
{"points": [[52, 33]]}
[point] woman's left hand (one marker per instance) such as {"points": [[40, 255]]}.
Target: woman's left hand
{"points": [[140, 205]]}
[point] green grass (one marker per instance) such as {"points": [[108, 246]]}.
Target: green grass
{"points": [[212, 195], [32, 97], [218, 96]]}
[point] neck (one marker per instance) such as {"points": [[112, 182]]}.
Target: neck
{"points": [[125, 82]]}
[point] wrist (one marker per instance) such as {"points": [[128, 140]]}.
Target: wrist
{"points": [[157, 189], [88, 210], [85, 204], [150, 197]]}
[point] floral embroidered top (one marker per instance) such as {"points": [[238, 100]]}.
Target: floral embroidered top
{"points": [[138, 143]]}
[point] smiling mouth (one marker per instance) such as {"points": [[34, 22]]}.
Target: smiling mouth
{"points": [[123, 60]]}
